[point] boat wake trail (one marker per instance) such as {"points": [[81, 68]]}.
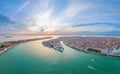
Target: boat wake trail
{"points": [[92, 60], [92, 68]]}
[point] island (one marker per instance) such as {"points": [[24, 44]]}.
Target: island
{"points": [[4, 46], [98, 45]]}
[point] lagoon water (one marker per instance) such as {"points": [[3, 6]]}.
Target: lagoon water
{"points": [[34, 58]]}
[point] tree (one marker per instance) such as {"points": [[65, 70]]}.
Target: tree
{"points": [[2, 46]]}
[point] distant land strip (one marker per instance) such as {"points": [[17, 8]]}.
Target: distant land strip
{"points": [[4, 46]]}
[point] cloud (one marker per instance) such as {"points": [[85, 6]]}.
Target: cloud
{"points": [[25, 4], [7, 25], [69, 13], [108, 33], [4, 20], [116, 25], [41, 16], [75, 8], [40, 21]]}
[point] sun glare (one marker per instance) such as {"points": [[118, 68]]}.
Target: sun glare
{"points": [[50, 32]]}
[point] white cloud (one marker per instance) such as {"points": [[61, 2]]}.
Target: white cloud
{"points": [[75, 8], [25, 4], [45, 17], [69, 12]]}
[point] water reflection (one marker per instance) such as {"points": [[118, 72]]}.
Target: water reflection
{"points": [[37, 49], [15, 38], [33, 57]]}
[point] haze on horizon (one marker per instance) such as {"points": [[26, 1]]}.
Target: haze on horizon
{"points": [[28, 17]]}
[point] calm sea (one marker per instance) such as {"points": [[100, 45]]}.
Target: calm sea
{"points": [[34, 58]]}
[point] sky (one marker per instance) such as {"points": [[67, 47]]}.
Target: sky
{"points": [[36, 17]]}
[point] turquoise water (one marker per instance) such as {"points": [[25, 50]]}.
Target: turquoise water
{"points": [[34, 58]]}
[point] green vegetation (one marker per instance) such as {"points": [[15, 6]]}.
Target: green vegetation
{"points": [[1, 46], [94, 50]]}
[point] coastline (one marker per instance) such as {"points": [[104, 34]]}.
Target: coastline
{"points": [[7, 48], [90, 52], [11, 44], [54, 44], [90, 45]]}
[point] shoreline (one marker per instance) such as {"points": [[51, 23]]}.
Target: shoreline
{"points": [[94, 45], [90, 52], [6, 49], [56, 45], [10, 44]]}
